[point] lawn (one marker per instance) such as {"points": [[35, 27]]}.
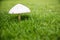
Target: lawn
{"points": [[42, 23]]}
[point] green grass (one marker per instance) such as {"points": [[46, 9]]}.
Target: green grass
{"points": [[43, 22]]}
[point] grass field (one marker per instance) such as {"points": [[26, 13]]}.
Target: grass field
{"points": [[43, 22]]}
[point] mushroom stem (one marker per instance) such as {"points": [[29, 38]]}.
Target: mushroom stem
{"points": [[19, 17]]}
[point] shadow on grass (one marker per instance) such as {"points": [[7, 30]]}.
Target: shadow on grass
{"points": [[25, 17], [15, 19]]}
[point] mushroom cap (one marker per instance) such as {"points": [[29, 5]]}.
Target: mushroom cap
{"points": [[18, 9]]}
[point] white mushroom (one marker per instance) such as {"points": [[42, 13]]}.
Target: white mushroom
{"points": [[19, 9]]}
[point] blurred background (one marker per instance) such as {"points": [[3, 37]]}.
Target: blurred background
{"points": [[43, 22]]}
